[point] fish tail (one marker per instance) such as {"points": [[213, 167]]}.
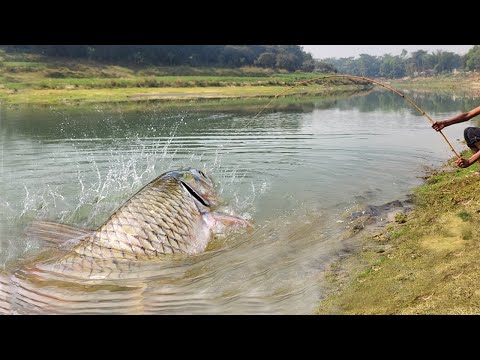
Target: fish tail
{"points": [[57, 234], [5, 294]]}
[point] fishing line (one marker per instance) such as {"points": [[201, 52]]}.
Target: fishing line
{"points": [[354, 77]]}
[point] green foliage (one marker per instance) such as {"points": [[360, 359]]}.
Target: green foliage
{"points": [[368, 65], [267, 59], [465, 216], [286, 61], [290, 57], [419, 63], [324, 67], [472, 58], [22, 70], [392, 67], [396, 233], [401, 218], [59, 80], [21, 64]]}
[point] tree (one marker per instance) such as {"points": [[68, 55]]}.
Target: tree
{"points": [[324, 67], [368, 65], [286, 61], [418, 59], [446, 61], [266, 60], [392, 66], [308, 66], [472, 58], [293, 56]]}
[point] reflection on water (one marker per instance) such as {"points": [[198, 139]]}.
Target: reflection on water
{"points": [[297, 174]]}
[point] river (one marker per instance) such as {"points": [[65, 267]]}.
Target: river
{"points": [[296, 173]]}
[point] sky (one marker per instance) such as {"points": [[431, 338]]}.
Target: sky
{"points": [[337, 51]]}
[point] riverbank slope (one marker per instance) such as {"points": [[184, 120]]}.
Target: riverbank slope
{"points": [[460, 84], [424, 263]]}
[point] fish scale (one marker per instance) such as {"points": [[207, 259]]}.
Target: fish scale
{"points": [[148, 221]]}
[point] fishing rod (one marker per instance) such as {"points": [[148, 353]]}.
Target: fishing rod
{"points": [[368, 80]]}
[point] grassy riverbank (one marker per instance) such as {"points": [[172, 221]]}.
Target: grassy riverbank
{"points": [[83, 96], [461, 84], [35, 79], [425, 263]]}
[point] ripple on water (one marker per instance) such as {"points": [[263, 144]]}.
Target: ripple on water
{"points": [[295, 174]]}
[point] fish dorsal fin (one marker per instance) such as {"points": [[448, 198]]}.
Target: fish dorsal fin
{"points": [[57, 234]]}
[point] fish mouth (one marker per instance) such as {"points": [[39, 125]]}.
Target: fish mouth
{"points": [[195, 195]]}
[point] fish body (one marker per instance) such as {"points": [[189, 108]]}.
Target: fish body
{"points": [[172, 214]]}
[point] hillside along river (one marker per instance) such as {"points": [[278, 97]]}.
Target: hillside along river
{"points": [[298, 174]]}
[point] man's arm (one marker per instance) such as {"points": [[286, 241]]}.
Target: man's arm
{"points": [[464, 163], [439, 125]]}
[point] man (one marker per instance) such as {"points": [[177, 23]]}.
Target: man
{"points": [[471, 134]]}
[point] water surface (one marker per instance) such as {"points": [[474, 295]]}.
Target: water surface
{"points": [[298, 174]]}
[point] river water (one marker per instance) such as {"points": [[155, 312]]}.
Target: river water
{"points": [[297, 173]]}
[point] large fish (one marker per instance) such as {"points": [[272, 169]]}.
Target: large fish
{"points": [[174, 213]]}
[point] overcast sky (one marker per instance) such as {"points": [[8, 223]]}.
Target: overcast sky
{"points": [[326, 51]]}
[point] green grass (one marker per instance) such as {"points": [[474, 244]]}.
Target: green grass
{"points": [[78, 96], [465, 216], [56, 80], [159, 81], [21, 64], [401, 218], [301, 103], [459, 84]]}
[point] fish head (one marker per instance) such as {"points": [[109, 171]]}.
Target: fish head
{"points": [[199, 185]]}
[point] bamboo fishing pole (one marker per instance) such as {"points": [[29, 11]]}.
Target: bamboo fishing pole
{"points": [[368, 80]]}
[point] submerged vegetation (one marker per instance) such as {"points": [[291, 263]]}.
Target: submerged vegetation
{"points": [[426, 263]]}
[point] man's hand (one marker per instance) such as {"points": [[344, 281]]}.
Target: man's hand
{"points": [[463, 163], [438, 125]]}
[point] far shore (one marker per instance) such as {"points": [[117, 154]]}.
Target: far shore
{"points": [[32, 79], [39, 80], [166, 95], [460, 84], [65, 94]]}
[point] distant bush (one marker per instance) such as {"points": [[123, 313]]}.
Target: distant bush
{"points": [[55, 74]]}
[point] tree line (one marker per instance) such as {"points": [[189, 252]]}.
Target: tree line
{"points": [[288, 57], [418, 63]]}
